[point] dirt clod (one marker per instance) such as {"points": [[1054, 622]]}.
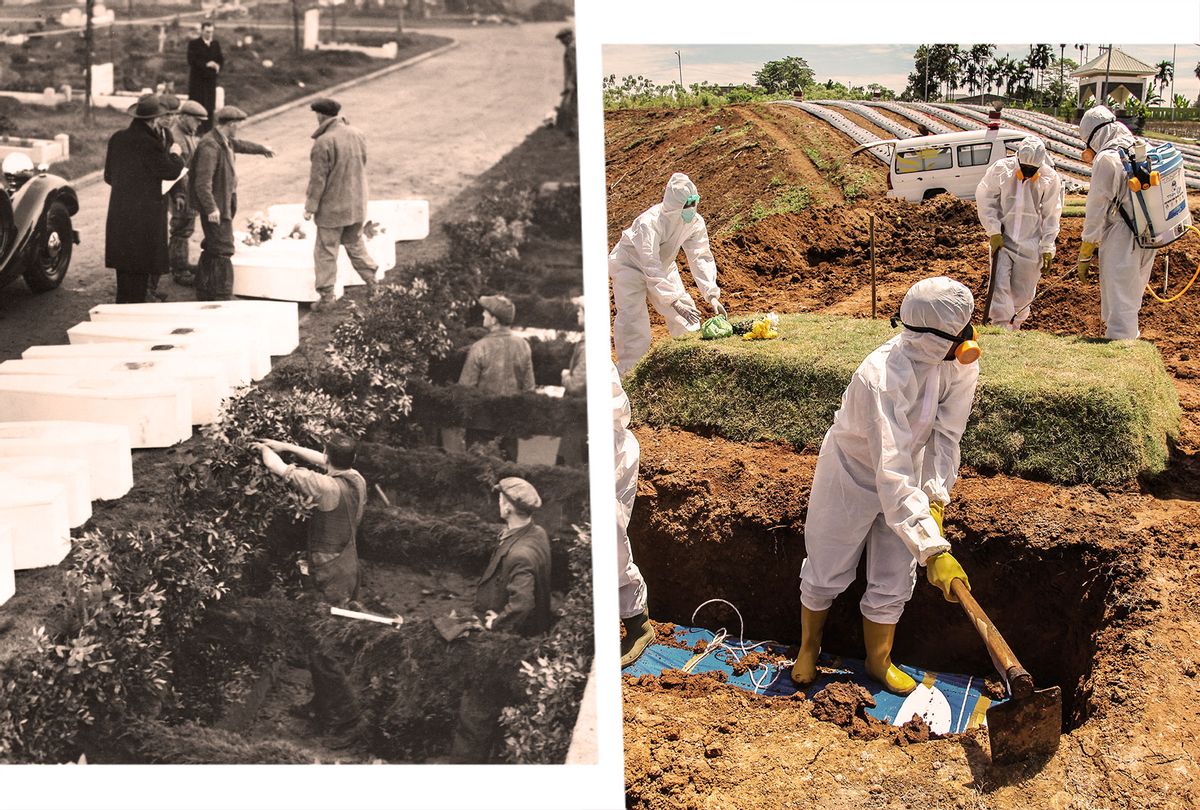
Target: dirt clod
{"points": [[915, 730]]}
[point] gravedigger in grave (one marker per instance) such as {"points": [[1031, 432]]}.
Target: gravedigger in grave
{"points": [[881, 486]]}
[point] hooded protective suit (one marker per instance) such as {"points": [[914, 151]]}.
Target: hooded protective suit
{"points": [[643, 264], [893, 448], [632, 594], [1027, 214], [1124, 265]]}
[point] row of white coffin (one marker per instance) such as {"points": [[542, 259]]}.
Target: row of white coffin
{"points": [[134, 376], [158, 369], [50, 472]]}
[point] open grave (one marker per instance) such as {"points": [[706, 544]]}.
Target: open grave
{"points": [[1092, 583]]}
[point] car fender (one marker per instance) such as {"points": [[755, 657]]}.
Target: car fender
{"points": [[32, 199]]}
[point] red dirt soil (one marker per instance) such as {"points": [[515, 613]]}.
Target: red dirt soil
{"points": [[1097, 590]]}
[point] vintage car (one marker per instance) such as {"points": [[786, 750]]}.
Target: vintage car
{"points": [[36, 237]]}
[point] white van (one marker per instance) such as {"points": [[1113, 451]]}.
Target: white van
{"points": [[953, 163]]}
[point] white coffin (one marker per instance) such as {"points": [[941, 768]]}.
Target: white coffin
{"points": [[36, 512], [206, 387], [279, 321], [214, 335], [283, 270], [70, 473], [8, 583], [229, 366], [156, 411], [105, 447]]}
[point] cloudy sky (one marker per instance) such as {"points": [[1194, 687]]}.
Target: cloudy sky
{"points": [[888, 65]]}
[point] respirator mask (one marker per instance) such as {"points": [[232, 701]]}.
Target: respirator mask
{"points": [[689, 208], [966, 346]]}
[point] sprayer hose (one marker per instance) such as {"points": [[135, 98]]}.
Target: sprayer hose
{"points": [[1186, 287]]}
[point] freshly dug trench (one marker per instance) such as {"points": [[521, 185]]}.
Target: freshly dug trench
{"points": [[716, 519], [1063, 409]]}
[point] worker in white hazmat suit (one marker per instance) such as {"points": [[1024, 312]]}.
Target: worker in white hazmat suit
{"points": [[643, 265], [1124, 265], [1019, 201], [639, 633], [884, 476]]}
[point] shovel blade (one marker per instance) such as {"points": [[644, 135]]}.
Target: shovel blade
{"points": [[1025, 728]]}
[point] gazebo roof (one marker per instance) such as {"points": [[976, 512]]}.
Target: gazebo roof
{"points": [[1122, 65]]}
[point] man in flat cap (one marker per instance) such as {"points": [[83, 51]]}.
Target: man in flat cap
{"points": [[183, 215], [513, 596], [138, 160], [499, 363], [337, 198], [214, 195]]}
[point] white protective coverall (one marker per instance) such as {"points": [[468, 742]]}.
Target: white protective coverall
{"points": [[643, 264], [1124, 265], [893, 448], [632, 594], [1027, 213]]}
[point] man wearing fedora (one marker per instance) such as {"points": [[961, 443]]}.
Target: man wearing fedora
{"points": [[337, 198], [214, 196], [183, 216], [138, 160], [512, 596]]}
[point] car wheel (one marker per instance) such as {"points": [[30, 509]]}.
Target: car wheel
{"points": [[50, 253], [930, 193]]}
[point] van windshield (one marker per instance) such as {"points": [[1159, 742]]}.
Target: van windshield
{"points": [[923, 160]]}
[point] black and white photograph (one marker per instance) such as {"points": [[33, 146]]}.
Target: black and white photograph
{"points": [[293, 413]]}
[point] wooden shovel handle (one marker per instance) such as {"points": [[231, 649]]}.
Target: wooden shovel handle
{"points": [[1020, 684]]}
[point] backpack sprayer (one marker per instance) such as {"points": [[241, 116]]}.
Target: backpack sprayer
{"points": [[1158, 197]]}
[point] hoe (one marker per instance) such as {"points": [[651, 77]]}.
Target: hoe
{"points": [[1029, 723]]}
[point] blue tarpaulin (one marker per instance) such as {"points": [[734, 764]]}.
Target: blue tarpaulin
{"points": [[949, 703]]}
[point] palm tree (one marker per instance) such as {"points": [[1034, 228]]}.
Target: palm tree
{"points": [[1039, 60], [1166, 72], [1020, 77], [994, 71]]}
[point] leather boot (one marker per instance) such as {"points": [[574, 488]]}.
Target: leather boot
{"points": [[812, 625], [326, 302], [222, 278], [183, 273], [639, 634], [203, 281], [878, 639], [152, 293]]}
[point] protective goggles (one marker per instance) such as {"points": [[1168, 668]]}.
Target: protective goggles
{"points": [[966, 345], [691, 201]]}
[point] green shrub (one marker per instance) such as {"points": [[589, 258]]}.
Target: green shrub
{"points": [[1063, 409], [461, 541], [155, 742]]}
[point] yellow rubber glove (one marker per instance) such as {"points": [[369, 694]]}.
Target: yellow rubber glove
{"points": [[995, 242], [938, 512], [1047, 260], [1087, 253], [941, 570]]}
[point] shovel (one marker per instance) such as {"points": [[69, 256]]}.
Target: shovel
{"points": [[991, 288], [1029, 723]]}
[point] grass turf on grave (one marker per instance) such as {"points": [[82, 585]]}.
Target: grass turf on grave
{"points": [[1068, 410]]}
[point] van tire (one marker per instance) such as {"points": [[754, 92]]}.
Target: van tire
{"points": [[930, 193]]}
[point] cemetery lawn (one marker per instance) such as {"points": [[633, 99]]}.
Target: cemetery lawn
{"points": [[249, 83]]}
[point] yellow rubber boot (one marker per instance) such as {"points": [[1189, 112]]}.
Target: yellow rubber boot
{"points": [[878, 639], [639, 633], [812, 624]]}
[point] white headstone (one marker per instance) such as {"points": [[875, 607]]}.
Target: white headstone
{"points": [[102, 79], [312, 29]]}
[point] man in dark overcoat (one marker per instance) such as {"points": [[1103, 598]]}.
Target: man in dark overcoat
{"points": [[204, 65], [137, 163], [512, 596]]}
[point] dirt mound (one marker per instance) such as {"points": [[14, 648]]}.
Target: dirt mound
{"points": [[1097, 590], [845, 704]]}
